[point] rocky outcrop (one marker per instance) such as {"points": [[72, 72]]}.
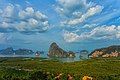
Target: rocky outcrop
{"points": [[112, 51], [70, 54], [56, 51]]}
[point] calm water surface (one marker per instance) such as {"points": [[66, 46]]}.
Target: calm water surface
{"points": [[45, 56]]}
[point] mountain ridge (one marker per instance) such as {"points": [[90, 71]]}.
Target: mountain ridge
{"points": [[110, 51]]}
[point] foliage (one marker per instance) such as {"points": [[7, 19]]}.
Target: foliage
{"points": [[42, 69]]}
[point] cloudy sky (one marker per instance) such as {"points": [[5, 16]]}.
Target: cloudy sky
{"points": [[73, 24]]}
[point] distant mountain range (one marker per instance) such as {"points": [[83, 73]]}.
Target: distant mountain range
{"points": [[111, 51], [11, 51]]}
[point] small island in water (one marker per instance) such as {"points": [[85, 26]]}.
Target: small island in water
{"points": [[11, 51], [56, 52]]}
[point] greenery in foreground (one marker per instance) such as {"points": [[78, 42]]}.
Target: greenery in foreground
{"points": [[42, 69]]}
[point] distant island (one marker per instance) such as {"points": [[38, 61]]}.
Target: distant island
{"points": [[84, 54], [56, 51], [111, 51], [11, 51]]}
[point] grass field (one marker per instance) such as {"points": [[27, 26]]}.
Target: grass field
{"points": [[34, 68]]}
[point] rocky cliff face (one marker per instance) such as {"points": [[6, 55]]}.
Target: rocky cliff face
{"points": [[56, 51], [112, 51]]}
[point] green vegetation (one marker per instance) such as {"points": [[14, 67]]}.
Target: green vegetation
{"points": [[43, 69]]}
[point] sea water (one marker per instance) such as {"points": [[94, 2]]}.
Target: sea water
{"points": [[77, 58]]}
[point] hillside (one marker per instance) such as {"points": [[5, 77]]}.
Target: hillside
{"points": [[111, 51]]}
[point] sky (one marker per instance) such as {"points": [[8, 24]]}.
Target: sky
{"points": [[72, 24]]}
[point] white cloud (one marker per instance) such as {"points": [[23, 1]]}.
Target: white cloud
{"points": [[8, 11], [17, 19], [118, 32], [80, 16], [70, 36], [21, 26], [97, 33], [89, 26], [118, 35], [104, 32], [22, 14], [65, 7], [76, 12], [68, 3], [28, 12], [33, 22], [92, 11], [40, 16], [45, 24], [4, 25]]}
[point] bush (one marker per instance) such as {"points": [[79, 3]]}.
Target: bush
{"points": [[38, 75]]}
